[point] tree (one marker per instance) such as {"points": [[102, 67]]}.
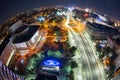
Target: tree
{"points": [[107, 50], [73, 49], [74, 64], [101, 55], [71, 77], [67, 68], [98, 48]]}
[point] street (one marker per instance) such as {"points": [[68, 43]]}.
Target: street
{"points": [[89, 66]]}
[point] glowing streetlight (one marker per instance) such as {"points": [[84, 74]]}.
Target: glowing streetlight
{"points": [[70, 8], [87, 10]]}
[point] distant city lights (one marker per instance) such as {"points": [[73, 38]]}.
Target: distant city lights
{"points": [[40, 18], [70, 8]]}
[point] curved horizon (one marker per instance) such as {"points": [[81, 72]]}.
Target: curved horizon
{"points": [[12, 8]]}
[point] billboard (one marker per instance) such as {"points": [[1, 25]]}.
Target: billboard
{"points": [[51, 62], [55, 68], [51, 65]]}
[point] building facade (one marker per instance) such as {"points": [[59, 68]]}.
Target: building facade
{"points": [[15, 26], [7, 74], [101, 32], [116, 77], [115, 44], [21, 42], [27, 39], [7, 53]]}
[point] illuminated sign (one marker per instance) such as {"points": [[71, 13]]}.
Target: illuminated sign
{"points": [[51, 62], [56, 68], [102, 18]]}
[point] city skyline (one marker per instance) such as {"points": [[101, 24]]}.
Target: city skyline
{"points": [[11, 8]]}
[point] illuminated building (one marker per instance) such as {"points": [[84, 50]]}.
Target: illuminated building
{"points": [[6, 50], [104, 20], [15, 26], [7, 53], [27, 39], [22, 41], [101, 19], [101, 32], [7, 74], [51, 65], [52, 62]]}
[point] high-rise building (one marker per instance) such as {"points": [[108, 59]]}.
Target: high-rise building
{"points": [[7, 74], [116, 77]]}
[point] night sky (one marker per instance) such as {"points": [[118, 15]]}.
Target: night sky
{"points": [[9, 8]]}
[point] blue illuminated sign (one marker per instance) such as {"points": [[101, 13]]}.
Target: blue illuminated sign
{"points": [[99, 19], [51, 62]]}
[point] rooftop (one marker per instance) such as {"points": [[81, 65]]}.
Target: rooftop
{"points": [[26, 34], [102, 28]]}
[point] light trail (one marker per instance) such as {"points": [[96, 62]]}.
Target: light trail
{"points": [[81, 49], [100, 66], [87, 52], [93, 50]]}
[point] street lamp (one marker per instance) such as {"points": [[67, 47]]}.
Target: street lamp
{"points": [[87, 10]]}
